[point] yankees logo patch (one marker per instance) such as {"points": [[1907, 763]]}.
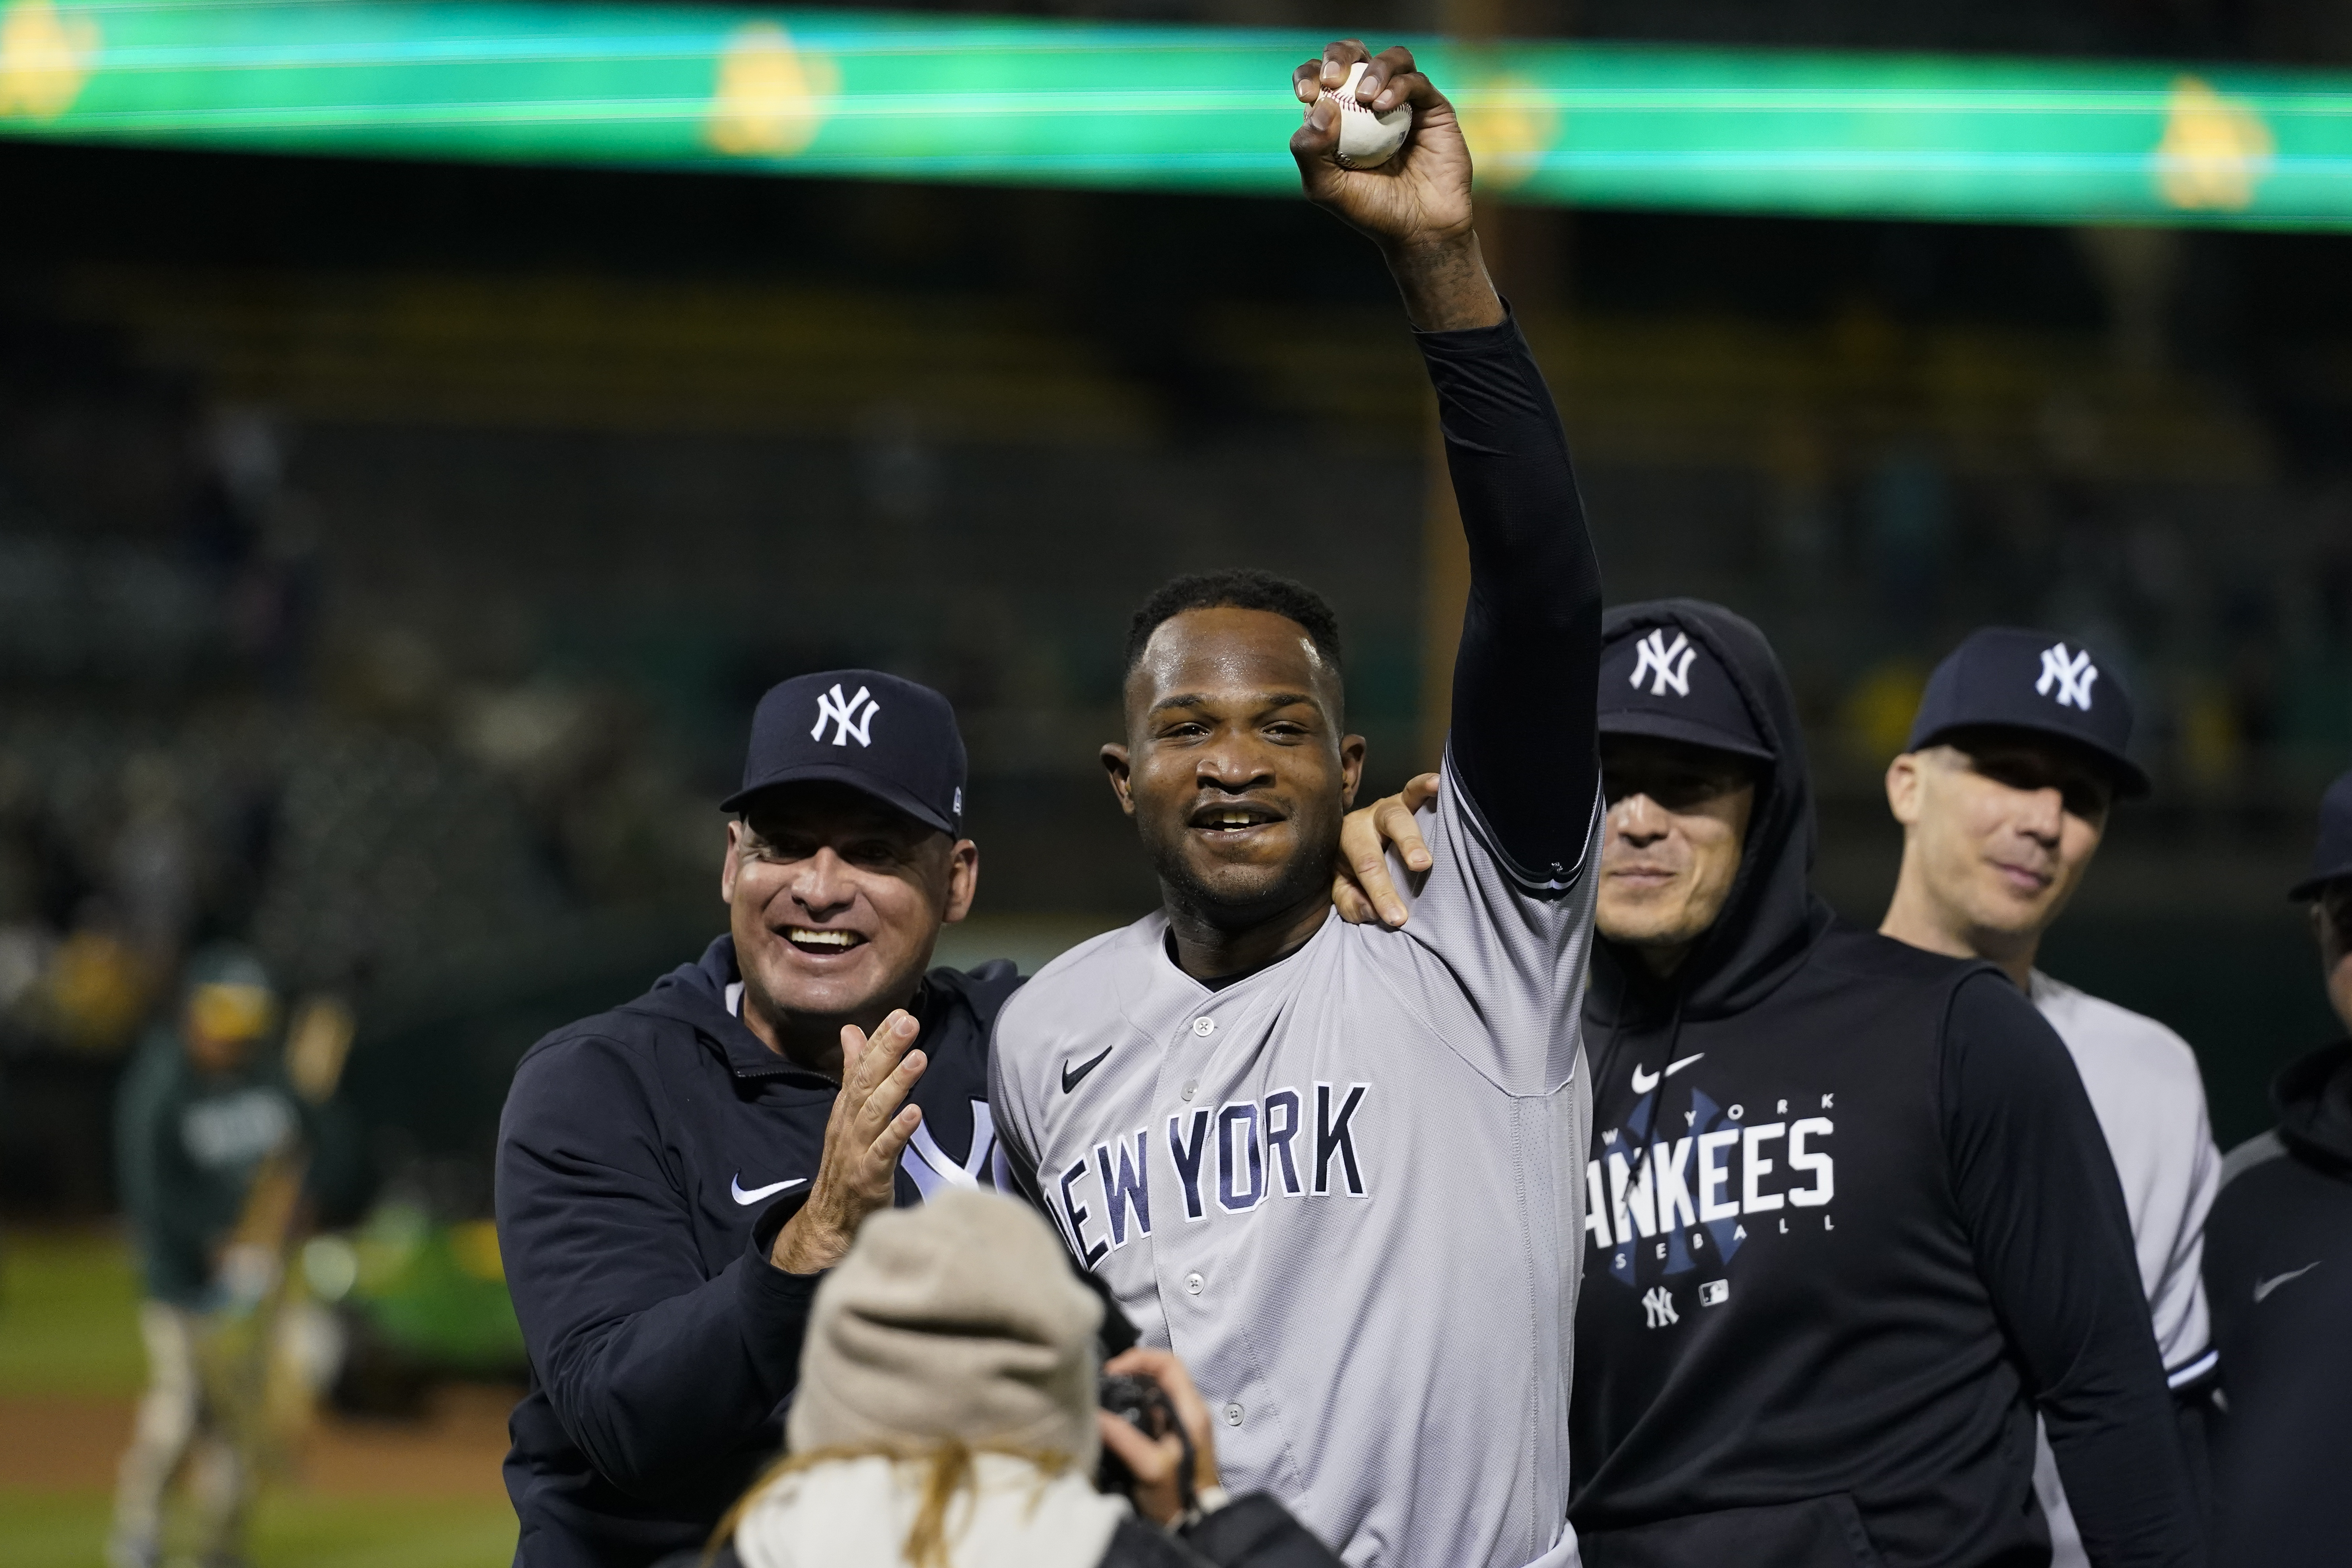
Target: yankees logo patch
{"points": [[849, 716], [1671, 662], [2069, 674]]}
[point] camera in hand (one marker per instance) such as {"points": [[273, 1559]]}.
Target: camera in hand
{"points": [[1143, 1405]]}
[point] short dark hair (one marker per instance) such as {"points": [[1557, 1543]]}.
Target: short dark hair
{"points": [[1239, 588]]}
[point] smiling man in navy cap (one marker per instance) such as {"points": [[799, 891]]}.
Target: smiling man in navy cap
{"points": [[2019, 748], [674, 1175]]}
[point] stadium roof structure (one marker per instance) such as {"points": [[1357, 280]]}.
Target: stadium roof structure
{"points": [[881, 96]]}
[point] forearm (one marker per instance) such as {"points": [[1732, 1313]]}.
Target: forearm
{"points": [[656, 1397], [1444, 283], [653, 1365], [2131, 1492], [1521, 740]]}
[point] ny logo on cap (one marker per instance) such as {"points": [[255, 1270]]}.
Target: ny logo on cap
{"points": [[846, 717], [1672, 662], [2072, 675]]}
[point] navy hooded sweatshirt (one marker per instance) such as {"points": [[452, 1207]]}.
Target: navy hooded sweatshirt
{"points": [[647, 1159], [2278, 1269], [1851, 1222]]}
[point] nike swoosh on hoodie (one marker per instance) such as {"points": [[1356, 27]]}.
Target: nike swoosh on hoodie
{"points": [[735, 1189]]}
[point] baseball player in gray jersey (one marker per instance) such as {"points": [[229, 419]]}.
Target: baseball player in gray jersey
{"points": [[2017, 753], [1337, 1168]]}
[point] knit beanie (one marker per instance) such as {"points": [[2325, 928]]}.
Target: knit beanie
{"points": [[961, 1320]]}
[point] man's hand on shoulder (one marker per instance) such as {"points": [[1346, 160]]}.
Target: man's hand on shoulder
{"points": [[869, 1129], [1362, 888], [1415, 205]]}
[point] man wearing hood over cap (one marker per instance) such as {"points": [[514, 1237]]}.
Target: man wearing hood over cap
{"points": [[2278, 1267], [1850, 1218]]}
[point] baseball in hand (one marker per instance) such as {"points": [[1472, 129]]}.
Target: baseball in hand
{"points": [[1366, 138]]}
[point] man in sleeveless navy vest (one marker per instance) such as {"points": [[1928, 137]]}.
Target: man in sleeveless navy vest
{"points": [[1851, 1220]]}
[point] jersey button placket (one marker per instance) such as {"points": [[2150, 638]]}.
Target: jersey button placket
{"points": [[1191, 1041]]}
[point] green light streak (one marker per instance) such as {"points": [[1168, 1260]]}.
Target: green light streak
{"points": [[878, 96]]}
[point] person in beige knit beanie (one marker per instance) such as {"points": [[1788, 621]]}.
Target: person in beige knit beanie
{"points": [[946, 1417]]}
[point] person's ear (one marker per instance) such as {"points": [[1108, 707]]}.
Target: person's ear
{"points": [[726, 867], [1351, 769], [1906, 782], [963, 879], [1114, 762]]}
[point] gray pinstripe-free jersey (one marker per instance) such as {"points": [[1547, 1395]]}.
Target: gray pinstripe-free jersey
{"points": [[1347, 1191]]}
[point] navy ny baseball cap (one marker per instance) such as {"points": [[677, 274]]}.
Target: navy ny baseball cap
{"points": [[894, 740], [1660, 680], [2022, 679], [2332, 856]]}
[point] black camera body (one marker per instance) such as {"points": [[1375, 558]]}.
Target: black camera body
{"points": [[1144, 1406]]}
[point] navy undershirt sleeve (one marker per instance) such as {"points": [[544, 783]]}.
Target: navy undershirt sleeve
{"points": [[1521, 745], [2038, 1193]]}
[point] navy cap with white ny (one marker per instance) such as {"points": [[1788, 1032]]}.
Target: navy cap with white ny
{"points": [[2016, 678], [889, 737], [1657, 679]]}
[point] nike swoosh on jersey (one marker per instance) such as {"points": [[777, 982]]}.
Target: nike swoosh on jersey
{"points": [[2265, 1287], [1644, 1082], [735, 1188], [1072, 1077]]}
